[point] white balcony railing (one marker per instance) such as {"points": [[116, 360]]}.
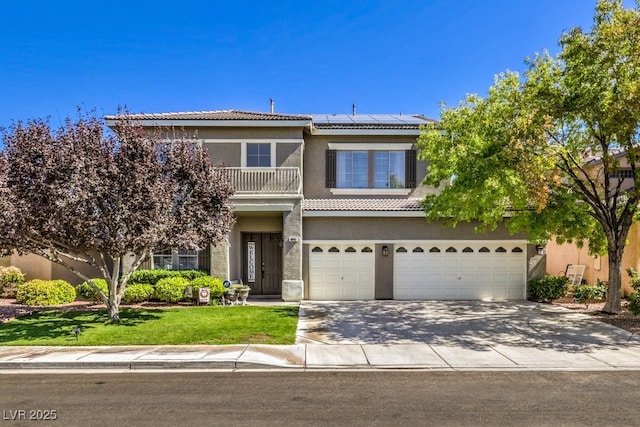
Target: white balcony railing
{"points": [[247, 181]]}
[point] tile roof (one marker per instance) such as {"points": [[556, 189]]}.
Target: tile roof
{"points": [[214, 115], [320, 121], [382, 205]]}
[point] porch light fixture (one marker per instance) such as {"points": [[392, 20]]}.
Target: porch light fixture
{"points": [[385, 251], [540, 249]]}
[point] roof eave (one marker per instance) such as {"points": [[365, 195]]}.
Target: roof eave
{"points": [[366, 132], [363, 213], [110, 122]]}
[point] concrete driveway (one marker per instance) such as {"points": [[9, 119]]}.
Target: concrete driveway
{"points": [[473, 325]]}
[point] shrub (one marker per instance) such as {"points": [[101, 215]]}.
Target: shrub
{"points": [[171, 289], [213, 283], [549, 288], [152, 277], [138, 292], [10, 279], [634, 303], [635, 279], [585, 293], [634, 298], [86, 291], [45, 292], [192, 274]]}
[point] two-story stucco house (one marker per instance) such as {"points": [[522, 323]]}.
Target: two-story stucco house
{"points": [[328, 208]]}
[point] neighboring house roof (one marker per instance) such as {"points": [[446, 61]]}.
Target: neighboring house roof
{"points": [[386, 205], [596, 158]]}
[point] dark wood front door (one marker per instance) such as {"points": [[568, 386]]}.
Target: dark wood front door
{"points": [[262, 262]]}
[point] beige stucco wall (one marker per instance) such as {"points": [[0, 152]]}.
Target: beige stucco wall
{"points": [[224, 154], [288, 154], [36, 267], [596, 268], [394, 229], [245, 133]]}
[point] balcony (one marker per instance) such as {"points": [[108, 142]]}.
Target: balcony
{"points": [[265, 181]]}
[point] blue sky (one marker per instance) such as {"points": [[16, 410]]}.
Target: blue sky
{"points": [[393, 56]]}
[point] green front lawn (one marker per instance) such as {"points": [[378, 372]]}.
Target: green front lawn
{"points": [[173, 326]]}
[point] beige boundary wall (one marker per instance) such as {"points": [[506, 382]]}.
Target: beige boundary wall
{"points": [[596, 267]]}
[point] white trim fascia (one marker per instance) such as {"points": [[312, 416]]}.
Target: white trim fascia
{"points": [[254, 196], [218, 123], [251, 140], [368, 132], [369, 214], [263, 207], [273, 154], [371, 146], [371, 191]]}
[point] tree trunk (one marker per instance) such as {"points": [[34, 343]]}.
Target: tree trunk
{"points": [[113, 300], [614, 290], [114, 311]]}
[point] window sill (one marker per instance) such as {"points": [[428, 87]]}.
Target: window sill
{"points": [[371, 191]]}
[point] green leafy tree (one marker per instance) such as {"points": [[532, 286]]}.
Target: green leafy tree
{"points": [[80, 194], [554, 152]]}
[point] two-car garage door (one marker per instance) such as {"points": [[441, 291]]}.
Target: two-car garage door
{"points": [[459, 271], [438, 270]]}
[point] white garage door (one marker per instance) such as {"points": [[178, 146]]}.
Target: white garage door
{"points": [[341, 272], [459, 271]]}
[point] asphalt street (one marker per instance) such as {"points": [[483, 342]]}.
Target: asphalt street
{"points": [[354, 398]]}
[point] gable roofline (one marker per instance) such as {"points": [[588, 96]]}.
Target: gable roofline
{"points": [[218, 118], [317, 124]]}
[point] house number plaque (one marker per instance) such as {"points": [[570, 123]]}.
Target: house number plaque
{"points": [[251, 262]]}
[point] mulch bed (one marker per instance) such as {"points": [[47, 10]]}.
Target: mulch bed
{"points": [[625, 320]]}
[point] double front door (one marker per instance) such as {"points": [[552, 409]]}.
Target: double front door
{"points": [[262, 262]]}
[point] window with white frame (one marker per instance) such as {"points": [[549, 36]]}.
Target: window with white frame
{"points": [[258, 155], [352, 169], [388, 169]]}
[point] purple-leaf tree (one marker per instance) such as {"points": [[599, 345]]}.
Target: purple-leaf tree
{"points": [[83, 194]]}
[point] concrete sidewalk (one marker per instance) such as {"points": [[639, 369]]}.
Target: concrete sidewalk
{"points": [[438, 335], [313, 356]]}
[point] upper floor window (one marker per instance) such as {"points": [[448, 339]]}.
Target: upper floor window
{"points": [[353, 169], [373, 169], [621, 173], [259, 155], [388, 169]]}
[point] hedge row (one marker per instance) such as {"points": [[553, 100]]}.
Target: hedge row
{"points": [[151, 277], [162, 285]]}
